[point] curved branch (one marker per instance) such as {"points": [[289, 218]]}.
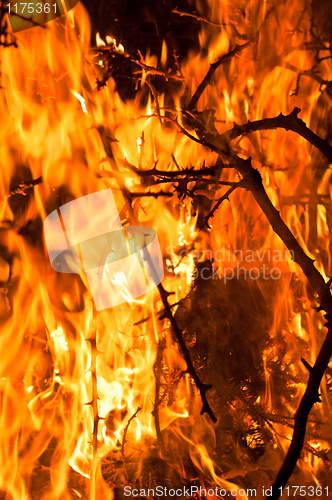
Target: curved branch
{"points": [[288, 122], [207, 79], [252, 181]]}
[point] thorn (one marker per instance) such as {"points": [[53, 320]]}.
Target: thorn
{"points": [[329, 283], [87, 404], [306, 364]]}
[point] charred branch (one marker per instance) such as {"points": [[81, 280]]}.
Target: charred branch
{"points": [[125, 432], [150, 70], [207, 79], [203, 388], [219, 202], [253, 183], [288, 122], [157, 368], [310, 397], [198, 18], [152, 195], [22, 188]]}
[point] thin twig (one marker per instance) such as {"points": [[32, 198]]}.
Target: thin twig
{"points": [[150, 70], [22, 188], [219, 202], [203, 388], [125, 431], [198, 18], [207, 79], [157, 368], [153, 195], [175, 174], [94, 405], [124, 438]]}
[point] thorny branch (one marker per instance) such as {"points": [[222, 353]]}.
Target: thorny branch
{"points": [[198, 18], [213, 67], [219, 202], [163, 293], [157, 368], [253, 182], [288, 122], [211, 23], [126, 431], [150, 70], [203, 388]]}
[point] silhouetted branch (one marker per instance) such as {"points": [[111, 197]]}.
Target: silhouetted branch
{"points": [[213, 67], [190, 367], [171, 175], [252, 181], [153, 195], [198, 18], [219, 202], [288, 122], [310, 397], [22, 188], [157, 369], [150, 70], [124, 438]]}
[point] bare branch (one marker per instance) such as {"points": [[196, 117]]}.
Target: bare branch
{"points": [[198, 18], [22, 188], [150, 70], [219, 202], [126, 431], [288, 122], [207, 79], [153, 195], [203, 388], [252, 181]]}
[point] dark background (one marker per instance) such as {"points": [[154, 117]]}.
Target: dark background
{"points": [[143, 24]]}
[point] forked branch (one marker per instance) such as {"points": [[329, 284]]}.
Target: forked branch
{"points": [[254, 183]]}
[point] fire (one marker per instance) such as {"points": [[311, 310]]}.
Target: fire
{"points": [[96, 400]]}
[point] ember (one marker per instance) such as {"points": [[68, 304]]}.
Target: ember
{"points": [[172, 163]]}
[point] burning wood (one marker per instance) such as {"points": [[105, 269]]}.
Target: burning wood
{"points": [[216, 383]]}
